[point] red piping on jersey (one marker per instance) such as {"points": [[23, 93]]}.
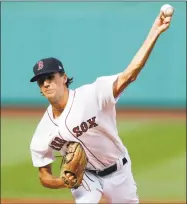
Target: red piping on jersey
{"points": [[88, 177], [77, 137], [87, 186], [51, 118]]}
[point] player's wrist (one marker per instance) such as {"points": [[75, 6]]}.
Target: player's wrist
{"points": [[61, 183], [153, 35]]}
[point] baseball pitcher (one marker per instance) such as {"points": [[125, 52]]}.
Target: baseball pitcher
{"points": [[81, 125]]}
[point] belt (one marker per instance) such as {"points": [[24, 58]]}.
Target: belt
{"points": [[108, 170]]}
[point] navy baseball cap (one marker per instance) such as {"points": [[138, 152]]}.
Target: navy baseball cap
{"points": [[46, 66]]}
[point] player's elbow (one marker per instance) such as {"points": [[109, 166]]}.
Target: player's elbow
{"points": [[129, 75], [133, 78], [133, 75], [130, 78], [43, 181]]}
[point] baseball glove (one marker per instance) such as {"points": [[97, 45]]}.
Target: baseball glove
{"points": [[74, 162]]}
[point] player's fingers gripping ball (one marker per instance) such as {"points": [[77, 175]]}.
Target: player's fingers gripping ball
{"points": [[74, 165]]}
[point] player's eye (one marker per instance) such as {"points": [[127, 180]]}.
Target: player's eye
{"points": [[41, 80], [50, 77]]}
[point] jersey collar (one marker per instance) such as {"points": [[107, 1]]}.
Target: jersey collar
{"points": [[66, 109]]}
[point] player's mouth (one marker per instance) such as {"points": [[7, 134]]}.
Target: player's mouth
{"points": [[49, 91]]}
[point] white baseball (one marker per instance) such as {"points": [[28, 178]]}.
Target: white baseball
{"points": [[167, 10]]}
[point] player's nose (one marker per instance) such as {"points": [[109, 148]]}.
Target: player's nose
{"points": [[46, 83]]}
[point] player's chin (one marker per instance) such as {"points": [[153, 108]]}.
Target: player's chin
{"points": [[50, 96]]}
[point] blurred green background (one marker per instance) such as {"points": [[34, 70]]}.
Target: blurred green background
{"points": [[94, 39], [157, 149]]}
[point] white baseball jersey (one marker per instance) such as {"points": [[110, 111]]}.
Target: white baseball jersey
{"points": [[88, 118]]}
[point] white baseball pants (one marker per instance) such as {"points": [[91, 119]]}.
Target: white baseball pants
{"points": [[118, 187]]}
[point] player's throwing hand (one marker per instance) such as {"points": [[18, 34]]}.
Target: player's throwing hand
{"points": [[161, 23]]}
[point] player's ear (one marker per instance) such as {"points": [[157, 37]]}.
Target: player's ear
{"points": [[65, 78]]}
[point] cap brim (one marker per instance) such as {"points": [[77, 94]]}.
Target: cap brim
{"points": [[35, 78]]}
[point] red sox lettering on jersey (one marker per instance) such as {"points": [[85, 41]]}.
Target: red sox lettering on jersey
{"points": [[57, 143], [85, 126]]}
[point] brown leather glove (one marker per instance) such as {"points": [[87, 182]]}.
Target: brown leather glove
{"points": [[74, 162]]}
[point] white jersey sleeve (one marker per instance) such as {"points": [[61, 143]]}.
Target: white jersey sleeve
{"points": [[41, 153], [41, 158], [104, 90]]}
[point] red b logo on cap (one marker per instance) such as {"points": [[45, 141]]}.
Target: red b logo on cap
{"points": [[40, 65]]}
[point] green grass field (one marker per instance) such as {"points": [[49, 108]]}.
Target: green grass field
{"points": [[157, 149]]}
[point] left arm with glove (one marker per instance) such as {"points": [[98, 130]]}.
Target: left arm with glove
{"points": [[50, 181], [72, 170]]}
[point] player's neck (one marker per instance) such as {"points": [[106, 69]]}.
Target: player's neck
{"points": [[59, 107]]}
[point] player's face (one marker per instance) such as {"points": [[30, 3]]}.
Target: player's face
{"points": [[52, 86]]}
